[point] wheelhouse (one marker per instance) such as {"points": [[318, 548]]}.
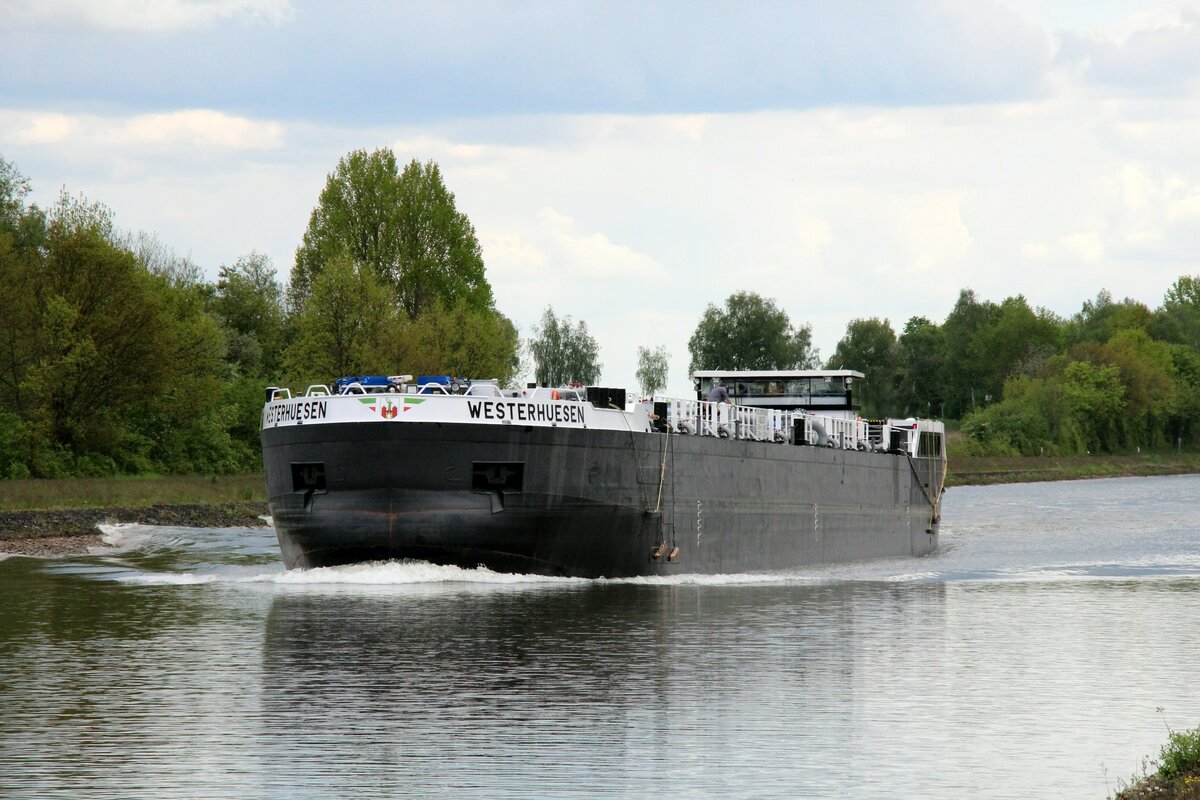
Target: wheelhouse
{"points": [[827, 391]]}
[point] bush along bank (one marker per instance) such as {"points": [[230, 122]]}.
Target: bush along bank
{"points": [[1178, 773]]}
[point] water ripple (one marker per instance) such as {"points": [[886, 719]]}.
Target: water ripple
{"points": [[1023, 659]]}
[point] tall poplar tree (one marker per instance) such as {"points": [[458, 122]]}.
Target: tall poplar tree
{"points": [[401, 225]]}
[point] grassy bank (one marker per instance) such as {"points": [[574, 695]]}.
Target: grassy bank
{"points": [[86, 493], [974, 470]]}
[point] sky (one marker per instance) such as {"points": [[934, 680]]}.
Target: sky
{"points": [[629, 164]]}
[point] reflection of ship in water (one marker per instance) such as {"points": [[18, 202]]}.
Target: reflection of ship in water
{"points": [[439, 689]]}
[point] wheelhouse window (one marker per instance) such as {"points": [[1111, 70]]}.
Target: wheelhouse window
{"points": [[785, 391], [833, 386]]}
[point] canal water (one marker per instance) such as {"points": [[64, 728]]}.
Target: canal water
{"points": [[1026, 658]]}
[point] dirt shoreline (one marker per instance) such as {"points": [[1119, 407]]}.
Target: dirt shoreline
{"points": [[58, 532]]}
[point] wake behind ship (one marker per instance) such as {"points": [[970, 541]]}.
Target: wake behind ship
{"points": [[568, 482]]}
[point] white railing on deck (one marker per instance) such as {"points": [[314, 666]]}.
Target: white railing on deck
{"points": [[770, 425], [699, 417]]}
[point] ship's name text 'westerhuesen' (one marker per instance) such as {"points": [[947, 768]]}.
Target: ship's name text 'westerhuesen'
{"points": [[516, 411]]}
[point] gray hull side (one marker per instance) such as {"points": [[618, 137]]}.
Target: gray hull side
{"points": [[584, 502]]}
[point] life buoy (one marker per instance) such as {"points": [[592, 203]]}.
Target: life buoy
{"points": [[554, 394]]}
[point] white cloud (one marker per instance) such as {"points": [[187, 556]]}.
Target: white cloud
{"points": [[1137, 188], [180, 131], [141, 16], [1153, 51], [1035, 251], [199, 127], [936, 232], [551, 260], [1186, 208], [512, 254], [814, 235], [436, 148], [45, 129], [1085, 246], [592, 255]]}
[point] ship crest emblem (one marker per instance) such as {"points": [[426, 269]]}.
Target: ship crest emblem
{"points": [[389, 410]]}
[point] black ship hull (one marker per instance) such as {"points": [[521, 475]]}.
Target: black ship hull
{"points": [[587, 502]]}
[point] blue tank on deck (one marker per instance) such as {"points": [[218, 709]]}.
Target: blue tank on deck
{"points": [[370, 382]]}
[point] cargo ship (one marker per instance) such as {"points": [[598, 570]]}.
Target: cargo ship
{"points": [[781, 473]]}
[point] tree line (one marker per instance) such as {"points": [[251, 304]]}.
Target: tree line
{"points": [[118, 357], [1115, 377], [1019, 380]]}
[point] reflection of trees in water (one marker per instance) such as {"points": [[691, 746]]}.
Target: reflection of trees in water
{"points": [[616, 680], [71, 602]]}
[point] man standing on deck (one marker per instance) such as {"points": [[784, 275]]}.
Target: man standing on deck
{"points": [[719, 394]]}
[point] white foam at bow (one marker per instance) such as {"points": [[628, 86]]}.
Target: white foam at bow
{"points": [[403, 572], [400, 573], [122, 536]]}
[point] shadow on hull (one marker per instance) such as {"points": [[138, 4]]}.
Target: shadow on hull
{"points": [[535, 536]]}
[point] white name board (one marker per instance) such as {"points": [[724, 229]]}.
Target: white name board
{"points": [[434, 408]]}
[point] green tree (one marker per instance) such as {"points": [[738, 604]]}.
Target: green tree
{"points": [[23, 233], [346, 327], [20, 264], [652, 369], [403, 226], [98, 334], [1016, 425], [249, 302], [1178, 320], [1096, 397], [1147, 373], [750, 332], [563, 354], [14, 188], [159, 259], [966, 368], [869, 346], [458, 340], [920, 355], [185, 425], [1099, 319], [1016, 340], [104, 363], [1185, 418]]}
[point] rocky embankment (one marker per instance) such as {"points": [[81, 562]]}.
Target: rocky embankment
{"points": [[64, 531]]}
